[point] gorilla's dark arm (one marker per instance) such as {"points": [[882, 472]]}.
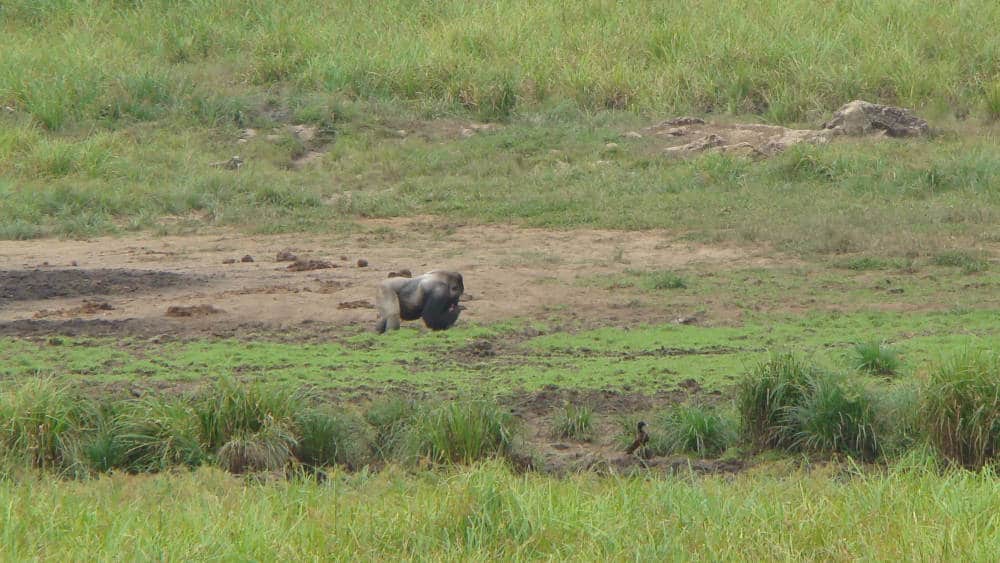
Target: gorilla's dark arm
{"points": [[440, 310]]}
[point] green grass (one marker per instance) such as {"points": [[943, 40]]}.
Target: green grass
{"points": [[487, 513], [641, 359], [875, 358], [960, 408], [575, 422], [119, 113], [695, 429]]}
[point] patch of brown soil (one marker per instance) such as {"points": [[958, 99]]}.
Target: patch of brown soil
{"points": [[356, 304], [512, 272]]}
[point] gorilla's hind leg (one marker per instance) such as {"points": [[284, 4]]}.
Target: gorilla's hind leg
{"points": [[387, 303]]}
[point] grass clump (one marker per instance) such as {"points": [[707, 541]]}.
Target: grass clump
{"points": [[43, 421], [390, 418], [766, 395], [326, 437], [697, 430], [461, 432], [786, 403], [835, 416], [267, 449], [574, 422], [970, 263], [231, 407], [154, 435], [960, 408], [875, 358]]}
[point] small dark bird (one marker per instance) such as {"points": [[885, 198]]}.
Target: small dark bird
{"points": [[641, 438]]}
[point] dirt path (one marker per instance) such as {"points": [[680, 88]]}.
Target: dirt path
{"points": [[510, 273]]}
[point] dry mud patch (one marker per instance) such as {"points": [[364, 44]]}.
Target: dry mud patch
{"points": [[510, 273]]}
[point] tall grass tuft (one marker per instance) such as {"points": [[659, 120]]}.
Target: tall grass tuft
{"points": [[765, 396], [835, 415], [231, 407], [43, 420], [391, 419], [461, 432], [875, 358], [326, 437], [269, 448], [960, 407], [158, 434], [575, 422], [697, 429]]}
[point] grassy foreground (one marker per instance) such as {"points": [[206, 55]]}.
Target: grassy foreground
{"points": [[486, 512]]}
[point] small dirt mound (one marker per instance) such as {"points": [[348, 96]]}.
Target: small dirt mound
{"points": [[286, 255], [88, 308], [192, 310], [306, 265], [358, 304]]}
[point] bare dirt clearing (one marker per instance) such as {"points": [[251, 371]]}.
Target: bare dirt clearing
{"points": [[510, 273]]}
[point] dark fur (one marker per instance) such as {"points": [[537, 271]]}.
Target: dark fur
{"points": [[432, 297]]}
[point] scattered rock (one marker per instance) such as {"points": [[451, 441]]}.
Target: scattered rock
{"points": [[73, 263], [247, 258], [287, 255], [301, 265], [404, 273], [343, 258], [683, 120], [229, 261], [357, 304], [233, 163], [863, 118], [633, 135], [362, 263], [699, 145], [192, 310], [248, 134], [304, 133], [611, 146], [896, 290], [687, 320]]}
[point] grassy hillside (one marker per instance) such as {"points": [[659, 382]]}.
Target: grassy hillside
{"points": [[118, 109], [75, 60]]}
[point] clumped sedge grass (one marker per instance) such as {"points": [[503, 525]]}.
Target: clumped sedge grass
{"points": [[696, 429], [231, 407], [960, 407], [43, 420], [487, 512], [970, 263], [575, 422], [461, 432], [267, 449], [897, 419], [835, 415], [766, 395], [874, 357], [157, 434], [327, 437], [390, 418]]}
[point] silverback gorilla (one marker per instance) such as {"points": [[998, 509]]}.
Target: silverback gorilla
{"points": [[432, 297]]}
